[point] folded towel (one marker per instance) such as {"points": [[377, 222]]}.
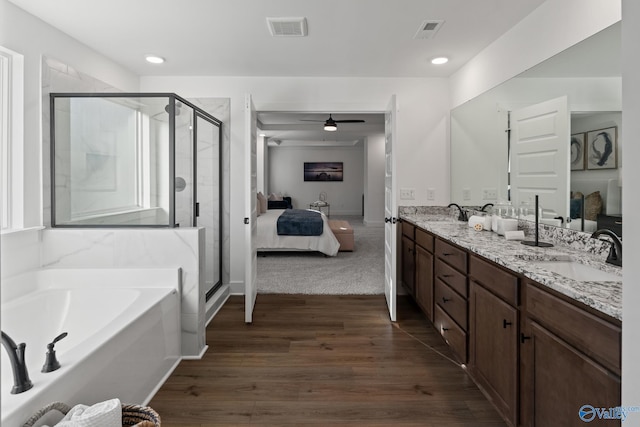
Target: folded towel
{"points": [[514, 235], [506, 224], [103, 414], [476, 219]]}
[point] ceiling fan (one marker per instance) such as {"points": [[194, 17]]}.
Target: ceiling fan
{"points": [[330, 124]]}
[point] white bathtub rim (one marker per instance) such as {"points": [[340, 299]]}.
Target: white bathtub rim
{"points": [[54, 278], [43, 382]]}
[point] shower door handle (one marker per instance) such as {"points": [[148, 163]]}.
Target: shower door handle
{"points": [[197, 208]]}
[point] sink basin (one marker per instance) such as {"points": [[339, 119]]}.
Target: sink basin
{"points": [[578, 271]]}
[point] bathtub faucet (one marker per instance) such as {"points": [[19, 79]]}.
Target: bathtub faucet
{"points": [[21, 381]]}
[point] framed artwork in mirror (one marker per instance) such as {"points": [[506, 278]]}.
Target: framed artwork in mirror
{"points": [[577, 151], [323, 171], [602, 149]]}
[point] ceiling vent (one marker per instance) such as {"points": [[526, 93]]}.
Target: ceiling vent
{"points": [[428, 29], [287, 27]]}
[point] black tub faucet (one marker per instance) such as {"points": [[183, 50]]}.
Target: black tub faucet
{"points": [[462, 216], [21, 381], [615, 252]]}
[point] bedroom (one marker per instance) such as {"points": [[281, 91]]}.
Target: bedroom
{"points": [[286, 143]]}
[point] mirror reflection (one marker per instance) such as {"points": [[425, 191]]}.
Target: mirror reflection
{"points": [[489, 133]]}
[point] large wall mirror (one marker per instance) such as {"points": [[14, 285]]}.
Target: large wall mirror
{"points": [[500, 140]]}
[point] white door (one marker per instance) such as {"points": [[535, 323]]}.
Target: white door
{"points": [[390, 208], [250, 218], [540, 137]]}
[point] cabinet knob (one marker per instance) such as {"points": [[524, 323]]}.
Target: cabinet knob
{"points": [[505, 323], [444, 300], [523, 338]]}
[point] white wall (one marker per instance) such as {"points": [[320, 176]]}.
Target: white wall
{"points": [[422, 126], [374, 180], [286, 177], [31, 37], [631, 207], [548, 30]]}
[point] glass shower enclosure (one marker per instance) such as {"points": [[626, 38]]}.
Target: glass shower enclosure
{"points": [[137, 160]]}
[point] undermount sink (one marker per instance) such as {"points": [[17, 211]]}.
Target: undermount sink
{"points": [[578, 271]]}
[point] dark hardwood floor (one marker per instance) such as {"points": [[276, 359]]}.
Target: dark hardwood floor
{"points": [[320, 361]]}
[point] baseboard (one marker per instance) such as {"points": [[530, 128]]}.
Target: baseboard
{"points": [[379, 223], [216, 303], [236, 288], [198, 356]]}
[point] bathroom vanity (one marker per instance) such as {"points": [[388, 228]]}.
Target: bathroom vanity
{"points": [[539, 344]]}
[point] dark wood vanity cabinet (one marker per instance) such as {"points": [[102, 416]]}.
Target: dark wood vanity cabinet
{"points": [[493, 334], [424, 271], [407, 257], [538, 355], [450, 297], [570, 358]]}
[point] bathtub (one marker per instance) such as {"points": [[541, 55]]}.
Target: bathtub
{"points": [[123, 338]]}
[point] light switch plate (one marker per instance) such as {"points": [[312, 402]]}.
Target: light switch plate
{"points": [[407, 193], [431, 194]]}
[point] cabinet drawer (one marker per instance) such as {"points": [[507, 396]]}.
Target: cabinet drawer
{"points": [[424, 239], [453, 335], [453, 278], [408, 230], [595, 337], [495, 279], [453, 256], [452, 303]]}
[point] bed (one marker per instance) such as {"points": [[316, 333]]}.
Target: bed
{"points": [[269, 240]]}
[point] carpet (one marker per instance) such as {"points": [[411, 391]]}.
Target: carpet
{"points": [[360, 272]]}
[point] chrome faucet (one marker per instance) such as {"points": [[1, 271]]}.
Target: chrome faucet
{"points": [[615, 252], [21, 381], [462, 216]]}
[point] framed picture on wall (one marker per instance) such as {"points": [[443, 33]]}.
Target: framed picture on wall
{"points": [[601, 148], [323, 171], [577, 151]]}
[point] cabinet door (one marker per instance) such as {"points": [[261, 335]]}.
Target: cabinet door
{"points": [[408, 264], [493, 349], [424, 281], [558, 380]]}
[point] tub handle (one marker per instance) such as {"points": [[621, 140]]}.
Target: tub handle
{"points": [[58, 338], [51, 362]]}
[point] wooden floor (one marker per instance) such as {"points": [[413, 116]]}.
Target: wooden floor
{"points": [[322, 361]]}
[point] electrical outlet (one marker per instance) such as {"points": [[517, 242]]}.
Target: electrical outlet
{"points": [[407, 194], [431, 194], [466, 194], [489, 194]]}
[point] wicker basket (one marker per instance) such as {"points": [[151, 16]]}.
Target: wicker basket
{"points": [[132, 415]]}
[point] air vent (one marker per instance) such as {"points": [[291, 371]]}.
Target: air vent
{"points": [[287, 27], [428, 29]]}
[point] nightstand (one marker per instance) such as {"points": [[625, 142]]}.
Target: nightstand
{"points": [[319, 207]]}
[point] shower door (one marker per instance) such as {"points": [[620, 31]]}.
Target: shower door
{"points": [[208, 206]]}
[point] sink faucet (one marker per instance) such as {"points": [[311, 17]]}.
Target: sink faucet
{"points": [[21, 381], [485, 206], [615, 252], [463, 215]]}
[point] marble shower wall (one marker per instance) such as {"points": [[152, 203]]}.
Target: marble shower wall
{"points": [[183, 247]]}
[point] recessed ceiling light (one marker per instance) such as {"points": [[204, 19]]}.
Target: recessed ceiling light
{"points": [[263, 134], [154, 59], [440, 60]]}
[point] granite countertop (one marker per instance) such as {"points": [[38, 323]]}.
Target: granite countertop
{"points": [[605, 297]]}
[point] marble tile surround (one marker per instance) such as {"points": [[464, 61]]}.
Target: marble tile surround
{"points": [[569, 244]]}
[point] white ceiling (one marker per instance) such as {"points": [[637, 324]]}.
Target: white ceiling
{"points": [[346, 38], [356, 38]]}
